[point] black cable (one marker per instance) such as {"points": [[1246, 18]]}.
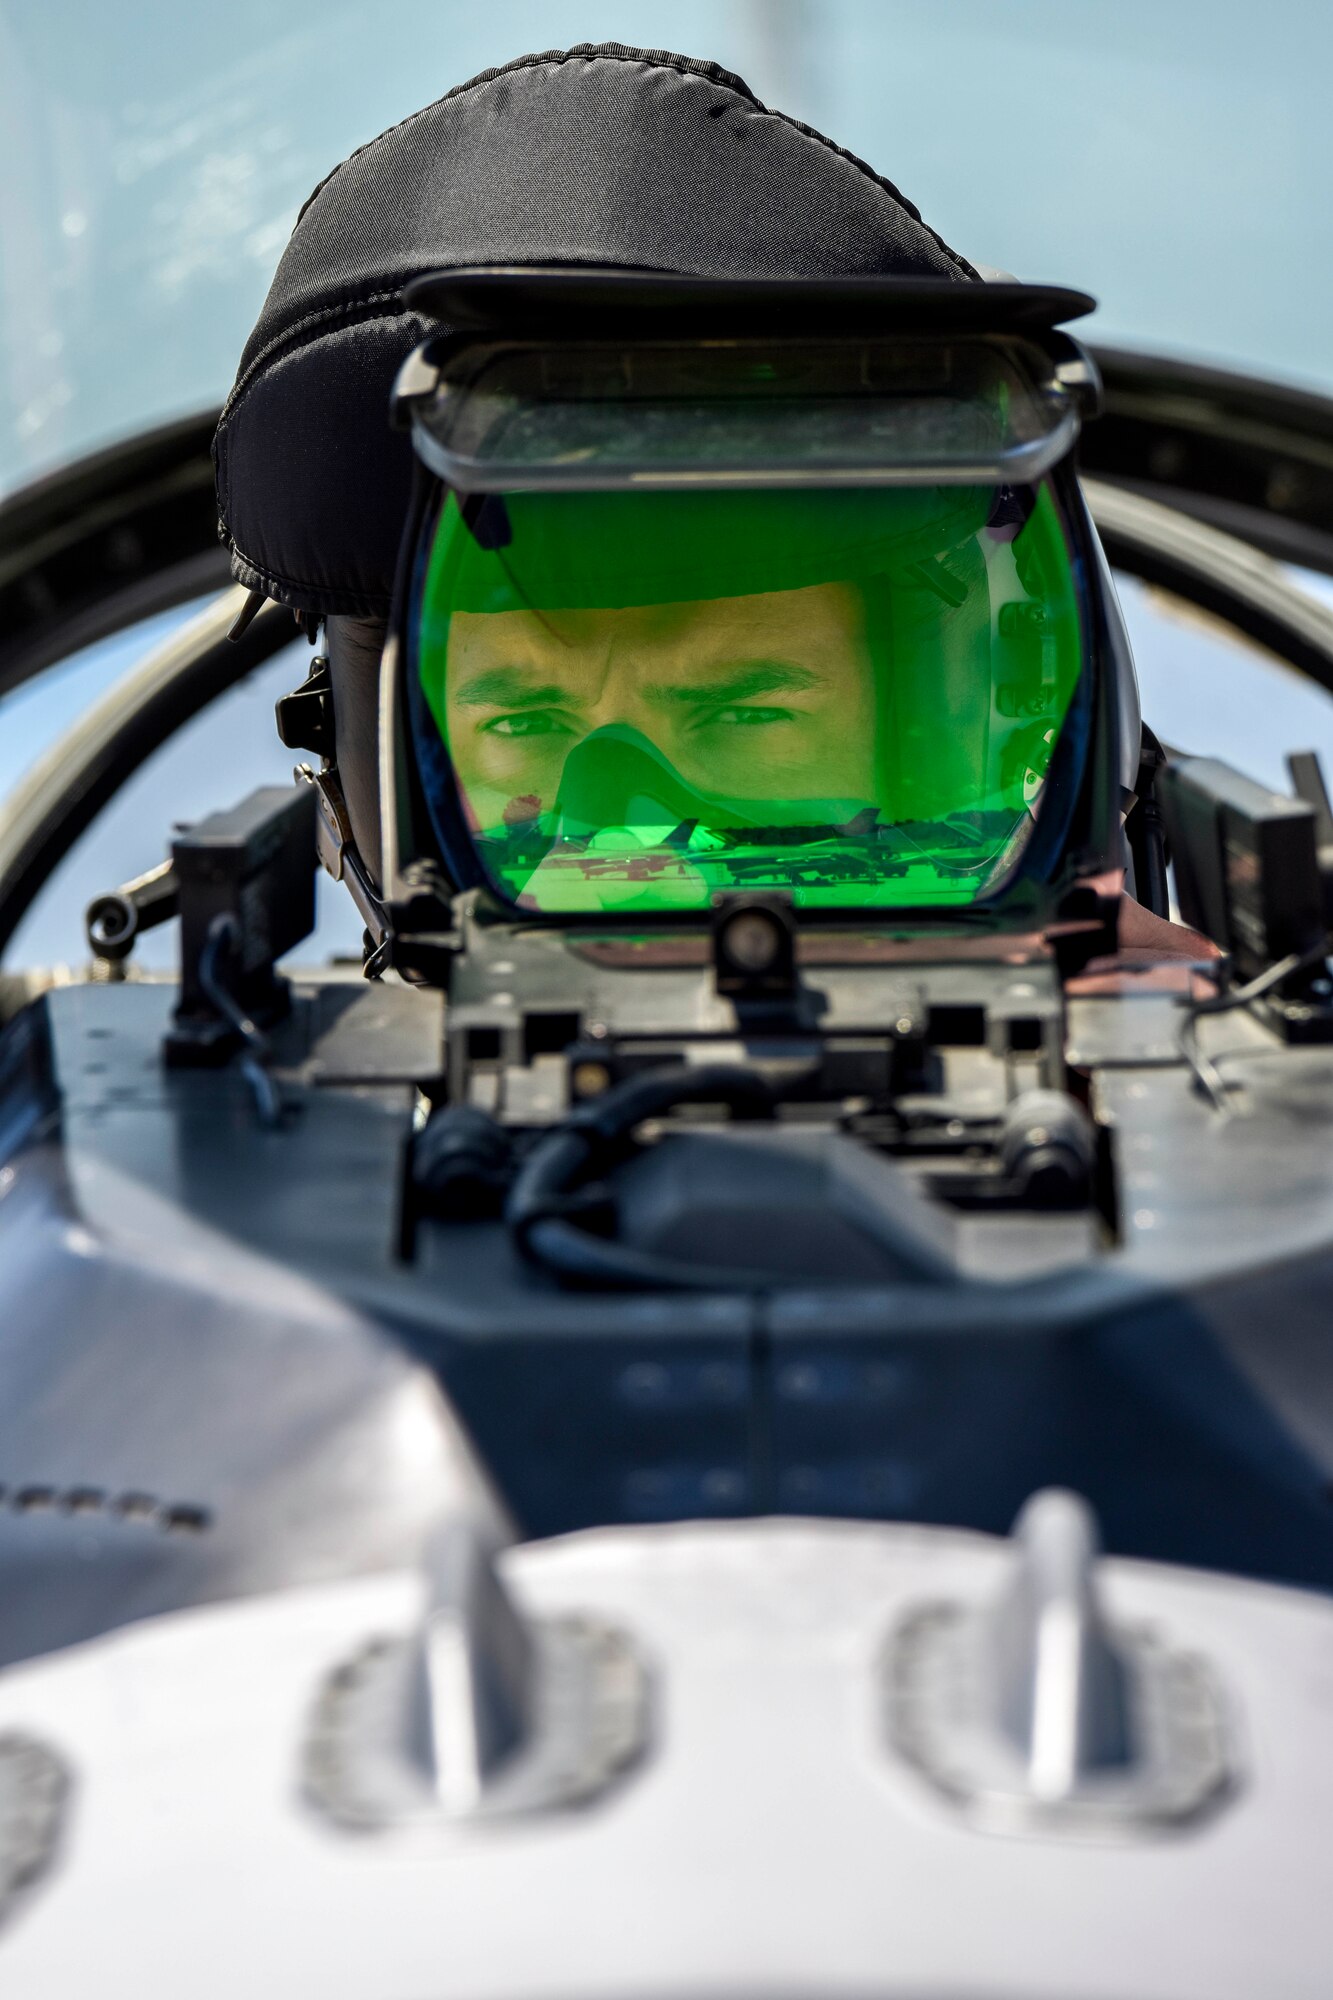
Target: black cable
{"points": [[254, 1051], [552, 1189], [1206, 1073]]}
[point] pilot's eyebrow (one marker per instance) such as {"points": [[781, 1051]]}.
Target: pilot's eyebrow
{"points": [[734, 684], [513, 687]]}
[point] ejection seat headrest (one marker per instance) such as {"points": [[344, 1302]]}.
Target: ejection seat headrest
{"points": [[602, 156]]}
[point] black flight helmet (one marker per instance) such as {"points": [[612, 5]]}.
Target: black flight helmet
{"points": [[729, 538]]}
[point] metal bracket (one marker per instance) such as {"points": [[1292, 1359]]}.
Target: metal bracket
{"points": [[113, 922], [333, 822]]}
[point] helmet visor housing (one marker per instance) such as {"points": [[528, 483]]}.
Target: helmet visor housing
{"points": [[700, 640]]}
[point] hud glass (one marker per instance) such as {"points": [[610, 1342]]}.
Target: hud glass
{"points": [[810, 634]]}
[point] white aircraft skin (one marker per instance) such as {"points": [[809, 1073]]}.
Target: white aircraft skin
{"points": [[769, 1839]]}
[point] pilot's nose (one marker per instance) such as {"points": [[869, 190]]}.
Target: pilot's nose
{"points": [[620, 698]]}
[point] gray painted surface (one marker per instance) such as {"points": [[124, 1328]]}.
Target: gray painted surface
{"points": [[224, 1319]]}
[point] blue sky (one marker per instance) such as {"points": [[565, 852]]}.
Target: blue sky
{"points": [[1172, 158]]}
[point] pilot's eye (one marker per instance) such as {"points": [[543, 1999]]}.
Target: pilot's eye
{"points": [[533, 722], [743, 718]]}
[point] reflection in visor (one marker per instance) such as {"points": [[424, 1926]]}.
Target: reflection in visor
{"points": [[648, 698]]}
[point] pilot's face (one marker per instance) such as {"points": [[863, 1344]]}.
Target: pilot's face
{"points": [[763, 697]]}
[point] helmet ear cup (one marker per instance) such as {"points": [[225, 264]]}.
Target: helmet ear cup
{"points": [[355, 647]]}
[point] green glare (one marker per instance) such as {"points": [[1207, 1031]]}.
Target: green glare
{"points": [[850, 697]]}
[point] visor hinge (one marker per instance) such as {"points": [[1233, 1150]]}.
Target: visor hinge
{"points": [[305, 717], [418, 379], [1078, 375]]}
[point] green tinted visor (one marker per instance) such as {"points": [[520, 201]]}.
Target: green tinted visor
{"points": [[841, 688]]}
